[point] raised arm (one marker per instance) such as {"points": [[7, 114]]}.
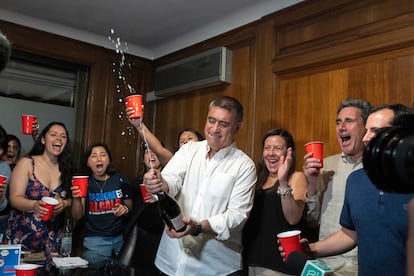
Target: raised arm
{"points": [[311, 170], [163, 154], [292, 191]]}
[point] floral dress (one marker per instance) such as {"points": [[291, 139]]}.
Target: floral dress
{"points": [[28, 230]]}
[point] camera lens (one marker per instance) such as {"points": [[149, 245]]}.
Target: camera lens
{"points": [[389, 160]]}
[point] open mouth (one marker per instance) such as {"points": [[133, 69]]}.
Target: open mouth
{"points": [[57, 146], [100, 169], [272, 161]]}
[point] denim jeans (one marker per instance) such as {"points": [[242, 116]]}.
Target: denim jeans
{"points": [[101, 248]]}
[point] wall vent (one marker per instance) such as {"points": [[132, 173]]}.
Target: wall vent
{"points": [[209, 68]]}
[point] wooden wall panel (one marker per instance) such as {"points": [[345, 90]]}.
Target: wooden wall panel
{"points": [[308, 109], [322, 31], [181, 111], [263, 97], [328, 51]]}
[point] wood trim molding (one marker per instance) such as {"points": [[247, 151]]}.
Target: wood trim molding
{"points": [[326, 32]]}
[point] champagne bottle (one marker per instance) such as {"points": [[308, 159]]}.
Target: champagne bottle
{"points": [[66, 242], [170, 212]]}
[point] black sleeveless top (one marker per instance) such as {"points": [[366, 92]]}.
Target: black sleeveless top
{"points": [[266, 220]]}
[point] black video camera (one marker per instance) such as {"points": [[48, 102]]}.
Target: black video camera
{"points": [[389, 160]]}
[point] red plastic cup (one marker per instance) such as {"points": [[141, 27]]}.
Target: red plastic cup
{"points": [[144, 192], [317, 148], [135, 101], [81, 182], [290, 241], [3, 179], [26, 269], [50, 206], [27, 123]]}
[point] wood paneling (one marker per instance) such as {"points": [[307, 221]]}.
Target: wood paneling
{"points": [[309, 105], [320, 32]]}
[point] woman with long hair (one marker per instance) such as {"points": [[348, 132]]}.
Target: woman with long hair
{"points": [[45, 172], [278, 206]]}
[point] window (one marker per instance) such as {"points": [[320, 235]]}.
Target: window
{"points": [[51, 89]]}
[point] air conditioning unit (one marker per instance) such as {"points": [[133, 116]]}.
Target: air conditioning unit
{"points": [[209, 68]]}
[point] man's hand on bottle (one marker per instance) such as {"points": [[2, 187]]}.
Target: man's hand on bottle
{"points": [[191, 228], [153, 181]]}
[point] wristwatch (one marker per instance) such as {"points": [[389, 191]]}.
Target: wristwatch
{"points": [[198, 230]]}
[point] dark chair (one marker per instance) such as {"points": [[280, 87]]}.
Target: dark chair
{"points": [[128, 248], [119, 265], [141, 238]]}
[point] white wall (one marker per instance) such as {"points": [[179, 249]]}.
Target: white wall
{"points": [[12, 109]]}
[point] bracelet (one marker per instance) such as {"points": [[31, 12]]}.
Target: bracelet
{"points": [[313, 198], [284, 193]]}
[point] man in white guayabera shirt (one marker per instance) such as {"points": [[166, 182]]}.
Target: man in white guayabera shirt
{"points": [[213, 182], [326, 189]]}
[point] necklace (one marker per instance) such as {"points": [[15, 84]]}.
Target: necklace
{"points": [[100, 187]]}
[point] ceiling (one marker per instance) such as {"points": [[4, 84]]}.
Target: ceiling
{"points": [[151, 28]]}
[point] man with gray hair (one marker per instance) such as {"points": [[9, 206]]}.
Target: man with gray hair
{"points": [[213, 181], [326, 189], [373, 219]]}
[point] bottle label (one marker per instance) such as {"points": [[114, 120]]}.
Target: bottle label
{"points": [[66, 248], [178, 222]]}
